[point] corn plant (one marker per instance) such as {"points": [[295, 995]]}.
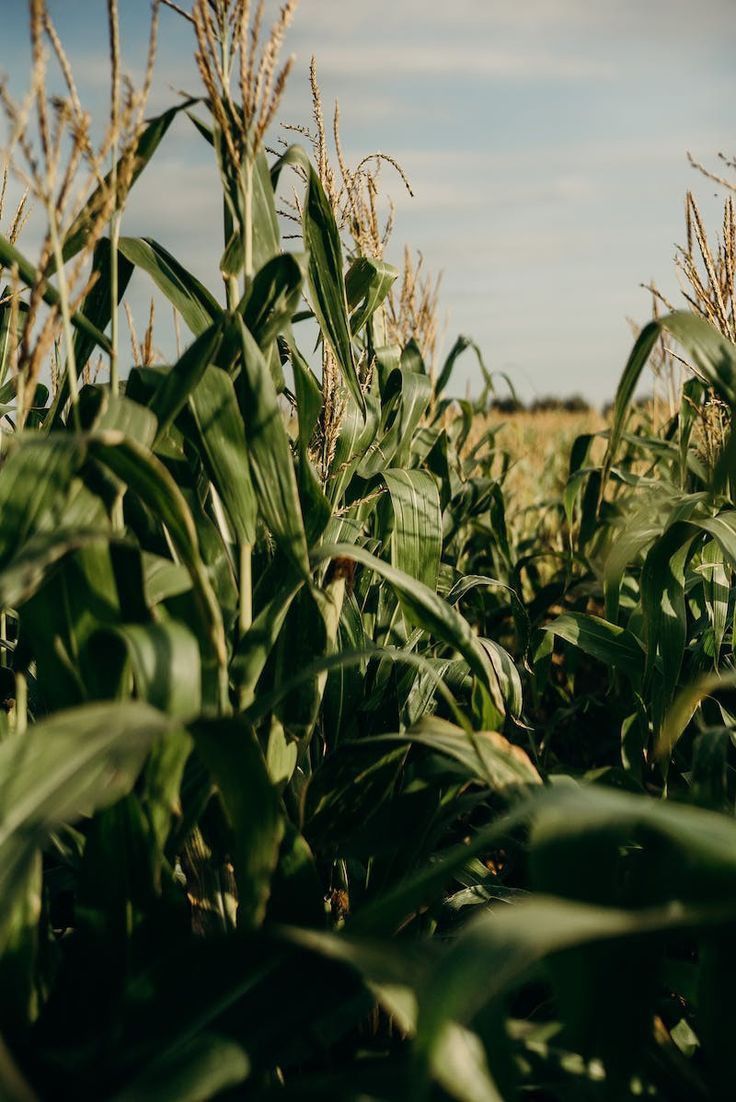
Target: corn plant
{"points": [[316, 778]]}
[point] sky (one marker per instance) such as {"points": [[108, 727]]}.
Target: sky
{"points": [[545, 141]]}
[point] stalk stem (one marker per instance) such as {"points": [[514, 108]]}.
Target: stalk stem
{"points": [[248, 220], [21, 703], [245, 614], [66, 318], [114, 327], [245, 597]]}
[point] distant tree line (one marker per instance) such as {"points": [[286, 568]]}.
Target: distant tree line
{"points": [[575, 403]]}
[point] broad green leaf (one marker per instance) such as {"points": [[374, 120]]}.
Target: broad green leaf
{"points": [[147, 477], [97, 309], [498, 950], [178, 384], [118, 412], [185, 293], [416, 541], [315, 506], [196, 1071], [8, 340], [231, 752], [256, 645], [663, 604], [367, 284], [685, 705], [165, 664], [609, 643], [35, 482], [386, 914], [716, 584], [163, 578], [269, 452], [326, 277], [405, 400], [357, 434], [222, 441], [486, 755], [31, 565], [460, 345], [710, 353], [272, 297], [507, 676], [518, 610], [10, 257], [65, 767], [265, 226], [427, 610], [344, 659]]}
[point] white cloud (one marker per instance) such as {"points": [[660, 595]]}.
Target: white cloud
{"points": [[476, 60], [390, 21]]}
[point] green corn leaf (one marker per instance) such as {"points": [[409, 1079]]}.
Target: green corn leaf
{"points": [[723, 528], [58, 623], [64, 767], [8, 340], [265, 226], [460, 345], [507, 676], [357, 434], [177, 385], [344, 659], [684, 706], [185, 293], [197, 1070], [349, 787], [518, 610], [150, 480], [565, 826], [486, 755], [163, 578], [609, 643], [269, 452], [406, 397], [427, 610], [97, 304], [165, 664], [315, 505], [222, 442], [266, 233], [326, 278], [387, 913], [232, 754], [367, 284], [96, 308], [29, 568], [416, 541], [663, 603], [10, 257], [712, 354], [497, 951], [34, 487], [118, 412], [255, 647], [162, 784], [716, 586], [271, 300]]}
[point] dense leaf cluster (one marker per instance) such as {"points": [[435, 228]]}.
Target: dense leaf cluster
{"points": [[326, 785]]}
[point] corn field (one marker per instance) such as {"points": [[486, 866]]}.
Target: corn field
{"points": [[329, 768]]}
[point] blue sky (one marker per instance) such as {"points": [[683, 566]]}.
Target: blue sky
{"points": [[545, 141]]}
